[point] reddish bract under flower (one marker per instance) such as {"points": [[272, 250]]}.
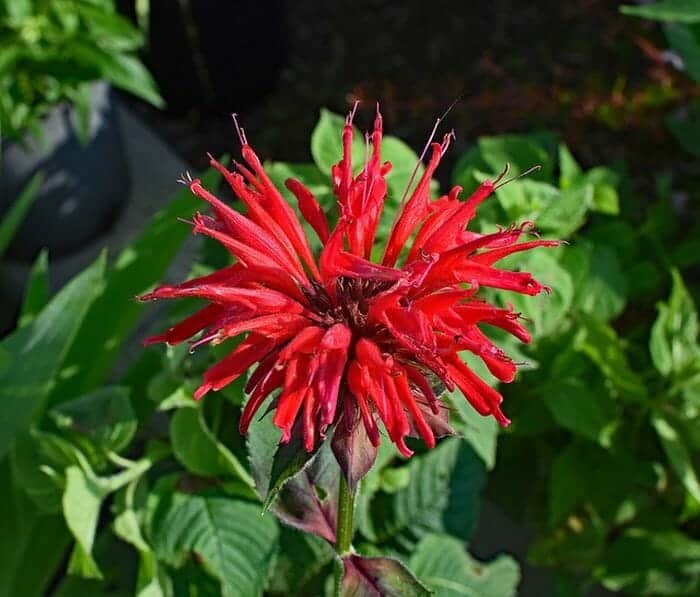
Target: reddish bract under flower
{"points": [[346, 336]]}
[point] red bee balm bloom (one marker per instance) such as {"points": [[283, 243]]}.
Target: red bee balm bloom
{"points": [[344, 337]]}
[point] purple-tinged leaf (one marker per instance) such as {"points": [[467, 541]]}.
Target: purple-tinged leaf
{"points": [[309, 500], [379, 577]]}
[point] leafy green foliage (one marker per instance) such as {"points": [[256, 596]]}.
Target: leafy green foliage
{"points": [[52, 51], [12, 220]]}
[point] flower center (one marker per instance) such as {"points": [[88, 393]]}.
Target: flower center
{"points": [[351, 303]]}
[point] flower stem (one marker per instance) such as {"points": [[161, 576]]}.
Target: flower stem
{"points": [[344, 527]]}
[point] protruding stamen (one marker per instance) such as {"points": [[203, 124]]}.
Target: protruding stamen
{"points": [[534, 168], [351, 116], [239, 130], [185, 179]]}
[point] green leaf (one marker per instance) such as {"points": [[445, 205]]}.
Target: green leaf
{"points": [[679, 11], [601, 344], [582, 409], [38, 349], [234, 542], [198, 449], [122, 70], [520, 151], [32, 543], [566, 212], [685, 41], [82, 500], [441, 496], [403, 162], [605, 199], [327, 144], [441, 562], [113, 30], [104, 416], [650, 562], [111, 319], [602, 290], [569, 170], [480, 432], [673, 343], [677, 453], [14, 217], [36, 294], [547, 311], [369, 577]]}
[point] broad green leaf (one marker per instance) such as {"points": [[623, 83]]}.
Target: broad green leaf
{"points": [[365, 577], [526, 199], [677, 453], [198, 449], [652, 562], [233, 541], [36, 294], [679, 11], [327, 144], [104, 416], [547, 311], [582, 409], [12, 220], [442, 563], [604, 181], [38, 349], [113, 30], [111, 319], [441, 496], [32, 543], [674, 336]]}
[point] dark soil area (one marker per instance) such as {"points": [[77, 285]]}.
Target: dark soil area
{"points": [[598, 78]]}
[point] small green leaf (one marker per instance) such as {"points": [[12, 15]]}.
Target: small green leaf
{"points": [[569, 170], [14, 217], [36, 294], [566, 212], [198, 449], [679, 11], [677, 453], [520, 151], [441, 562], [327, 144], [673, 342], [582, 409], [82, 500]]}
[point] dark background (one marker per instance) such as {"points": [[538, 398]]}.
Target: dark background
{"points": [[598, 78]]}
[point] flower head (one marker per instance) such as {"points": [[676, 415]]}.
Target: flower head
{"points": [[340, 337]]}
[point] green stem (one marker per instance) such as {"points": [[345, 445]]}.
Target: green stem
{"points": [[344, 528]]}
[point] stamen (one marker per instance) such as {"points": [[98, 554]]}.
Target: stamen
{"points": [[239, 131], [521, 175], [351, 116]]}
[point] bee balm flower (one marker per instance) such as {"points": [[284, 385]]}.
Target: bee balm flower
{"points": [[339, 336]]}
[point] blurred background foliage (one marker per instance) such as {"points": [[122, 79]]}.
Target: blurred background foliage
{"points": [[114, 482]]}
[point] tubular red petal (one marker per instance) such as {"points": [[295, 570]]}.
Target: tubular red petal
{"points": [[406, 396], [309, 208], [492, 256], [188, 327], [281, 211]]}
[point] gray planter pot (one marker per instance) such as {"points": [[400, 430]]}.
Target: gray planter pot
{"points": [[85, 186]]}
